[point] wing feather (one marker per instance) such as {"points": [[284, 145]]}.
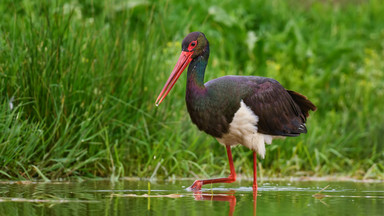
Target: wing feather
{"points": [[281, 112]]}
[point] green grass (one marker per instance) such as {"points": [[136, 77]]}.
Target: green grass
{"points": [[84, 76]]}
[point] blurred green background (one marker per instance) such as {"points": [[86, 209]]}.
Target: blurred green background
{"points": [[79, 79]]}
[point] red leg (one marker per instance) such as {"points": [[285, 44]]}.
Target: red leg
{"points": [[254, 202], [196, 186], [254, 171]]}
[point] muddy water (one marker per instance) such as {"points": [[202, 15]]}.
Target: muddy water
{"points": [[171, 198]]}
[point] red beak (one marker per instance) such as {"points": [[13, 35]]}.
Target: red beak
{"points": [[182, 63]]}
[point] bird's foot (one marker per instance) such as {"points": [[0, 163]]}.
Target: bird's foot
{"points": [[196, 186]]}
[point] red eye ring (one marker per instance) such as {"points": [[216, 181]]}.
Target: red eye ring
{"points": [[192, 45]]}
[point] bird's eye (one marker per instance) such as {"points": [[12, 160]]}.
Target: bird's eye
{"points": [[192, 45]]}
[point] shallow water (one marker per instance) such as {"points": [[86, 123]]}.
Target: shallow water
{"points": [[171, 198]]}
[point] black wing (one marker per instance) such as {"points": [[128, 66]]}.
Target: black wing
{"points": [[281, 112]]}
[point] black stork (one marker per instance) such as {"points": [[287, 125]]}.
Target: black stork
{"points": [[246, 110]]}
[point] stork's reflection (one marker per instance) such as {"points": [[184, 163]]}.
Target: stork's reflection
{"points": [[226, 197]]}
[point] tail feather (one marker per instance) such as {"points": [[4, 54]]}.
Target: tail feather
{"points": [[303, 102]]}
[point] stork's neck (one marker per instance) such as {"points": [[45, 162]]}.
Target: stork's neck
{"points": [[196, 70]]}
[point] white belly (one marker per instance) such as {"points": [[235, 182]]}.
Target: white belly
{"points": [[243, 130]]}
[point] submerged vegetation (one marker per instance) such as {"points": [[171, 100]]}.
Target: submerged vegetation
{"points": [[78, 82]]}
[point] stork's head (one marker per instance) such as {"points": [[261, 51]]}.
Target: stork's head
{"points": [[195, 44]]}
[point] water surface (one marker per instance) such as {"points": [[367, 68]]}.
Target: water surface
{"points": [[171, 198]]}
